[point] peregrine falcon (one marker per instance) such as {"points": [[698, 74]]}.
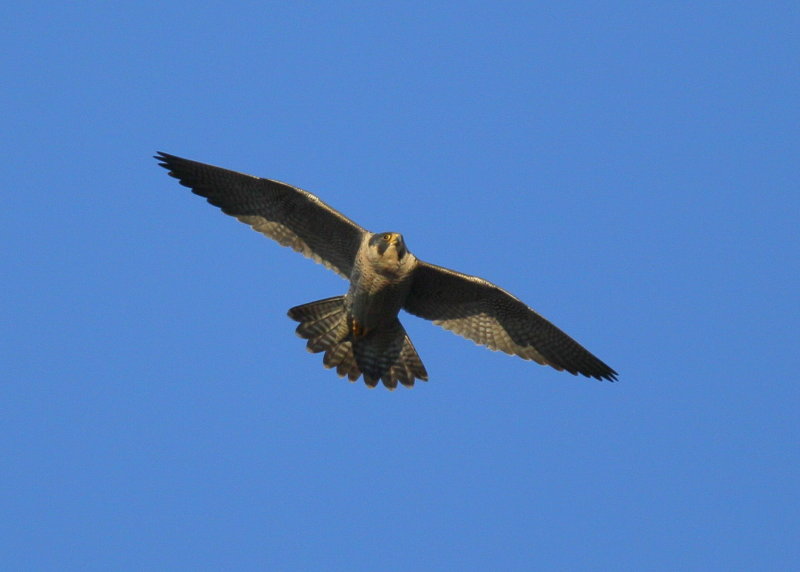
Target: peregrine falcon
{"points": [[360, 332]]}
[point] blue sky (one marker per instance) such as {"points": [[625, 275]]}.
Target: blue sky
{"points": [[628, 170]]}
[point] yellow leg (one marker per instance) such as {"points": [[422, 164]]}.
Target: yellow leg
{"points": [[357, 328]]}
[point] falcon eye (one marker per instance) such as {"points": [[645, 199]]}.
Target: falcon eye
{"points": [[387, 237]]}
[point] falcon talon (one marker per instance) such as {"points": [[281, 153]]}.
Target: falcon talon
{"points": [[384, 278], [358, 330]]}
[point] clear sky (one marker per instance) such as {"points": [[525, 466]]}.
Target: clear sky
{"points": [[628, 170]]}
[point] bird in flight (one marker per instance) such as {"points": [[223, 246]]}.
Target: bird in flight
{"points": [[360, 332]]}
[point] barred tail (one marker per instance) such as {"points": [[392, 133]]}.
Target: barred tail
{"points": [[385, 354], [324, 324], [388, 354]]}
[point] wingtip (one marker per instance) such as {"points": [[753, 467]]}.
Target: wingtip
{"points": [[166, 160], [163, 159], [600, 374], [610, 376]]}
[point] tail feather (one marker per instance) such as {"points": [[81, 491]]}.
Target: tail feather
{"points": [[322, 323], [316, 328], [341, 357], [318, 309], [385, 354], [388, 355], [330, 339]]}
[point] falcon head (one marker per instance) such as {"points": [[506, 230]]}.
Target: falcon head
{"points": [[388, 244]]}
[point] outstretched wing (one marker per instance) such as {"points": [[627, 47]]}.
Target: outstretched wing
{"points": [[292, 216], [488, 315]]}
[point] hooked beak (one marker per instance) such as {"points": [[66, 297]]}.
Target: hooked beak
{"points": [[399, 245], [396, 241]]}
